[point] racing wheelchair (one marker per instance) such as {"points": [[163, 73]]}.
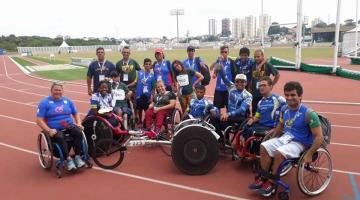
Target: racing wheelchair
{"points": [[47, 150], [109, 139]]}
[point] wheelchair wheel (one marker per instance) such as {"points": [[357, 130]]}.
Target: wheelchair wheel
{"points": [[108, 153], [101, 131], [195, 150], [286, 169], [169, 133], [45, 151], [314, 177]]}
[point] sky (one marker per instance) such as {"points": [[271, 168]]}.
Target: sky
{"points": [[149, 18]]}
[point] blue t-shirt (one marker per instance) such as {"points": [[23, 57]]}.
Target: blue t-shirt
{"points": [[200, 108], [239, 102], [268, 110], [145, 84], [57, 113], [162, 71], [227, 67], [295, 125], [245, 67], [99, 102], [97, 70], [193, 65]]}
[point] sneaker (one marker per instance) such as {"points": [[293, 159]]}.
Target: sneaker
{"points": [[267, 189], [70, 166], [79, 162], [257, 185]]}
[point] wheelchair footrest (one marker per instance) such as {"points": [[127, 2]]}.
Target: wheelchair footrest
{"points": [[268, 175]]}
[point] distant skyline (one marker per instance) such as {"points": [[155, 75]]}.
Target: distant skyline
{"points": [[138, 18]]}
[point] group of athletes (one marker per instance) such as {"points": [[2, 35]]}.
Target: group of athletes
{"points": [[243, 91]]}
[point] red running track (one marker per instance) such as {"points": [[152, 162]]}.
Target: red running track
{"points": [[146, 172]]}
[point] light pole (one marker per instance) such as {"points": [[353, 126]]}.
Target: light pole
{"points": [[177, 12], [337, 31]]}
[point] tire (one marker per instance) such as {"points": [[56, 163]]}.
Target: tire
{"points": [[101, 130], [321, 156], [195, 151], [108, 153], [169, 132], [45, 151]]}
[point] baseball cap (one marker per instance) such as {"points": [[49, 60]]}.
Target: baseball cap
{"points": [[240, 77], [159, 50], [113, 74], [190, 48]]}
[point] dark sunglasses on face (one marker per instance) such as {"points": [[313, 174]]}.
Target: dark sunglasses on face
{"points": [[240, 81]]}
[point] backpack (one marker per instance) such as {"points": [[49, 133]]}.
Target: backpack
{"points": [[204, 70], [325, 126]]}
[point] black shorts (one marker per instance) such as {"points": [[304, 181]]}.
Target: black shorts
{"points": [[221, 99], [142, 102]]}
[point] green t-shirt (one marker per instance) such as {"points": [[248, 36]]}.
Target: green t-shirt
{"points": [[127, 70], [118, 93], [185, 81], [257, 73]]}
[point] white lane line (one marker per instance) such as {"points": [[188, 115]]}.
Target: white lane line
{"points": [[22, 103], [342, 126], [337, 113], [143, 178], [36, 94], [343, 144], [27, 83]]}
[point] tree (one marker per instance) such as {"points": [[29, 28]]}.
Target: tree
{"points": [[321, 25]]}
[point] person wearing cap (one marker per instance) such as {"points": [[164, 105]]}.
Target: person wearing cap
{"points": [[120, 95], [163, 70], [244, 64], [192, 62], [238, 106], [262, 68], [98, 71]]}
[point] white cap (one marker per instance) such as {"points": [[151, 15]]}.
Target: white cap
{"points": [[240, 77]]}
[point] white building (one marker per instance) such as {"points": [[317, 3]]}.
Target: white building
{"points": [[212, 27], [264, 22], [236, 28], [249, 27]]}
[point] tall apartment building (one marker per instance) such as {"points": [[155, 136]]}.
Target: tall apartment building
{"points": [[225, 27], [264, 21], [236, 28], [212, 27]]}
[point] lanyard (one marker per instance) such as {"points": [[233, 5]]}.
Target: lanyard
{"points": [[192, 65], [145, 78], [101, 66], [290, 122]]}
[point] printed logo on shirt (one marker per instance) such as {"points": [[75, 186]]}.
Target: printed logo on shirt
{"points": [[59, 109]]}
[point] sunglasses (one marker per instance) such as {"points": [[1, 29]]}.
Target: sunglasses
{"points": [[240, 81], [223, 52]]}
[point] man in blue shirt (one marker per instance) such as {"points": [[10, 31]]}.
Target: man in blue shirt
{"points": [[299, 129], [227, 64], [192, 62], [98, 70], [238, 106], [200, 107], [244, 64], [268, 109]]}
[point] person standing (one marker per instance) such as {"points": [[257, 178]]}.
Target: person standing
{"points": [[98, 70], [163, 70], [262, 68]]}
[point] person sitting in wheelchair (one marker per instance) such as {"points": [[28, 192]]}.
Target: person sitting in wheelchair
{"points": [[299, 129], [238, 105], [163, 103], [102, 100], [120, 95], [58, 117], [200, 107], [268, 110]]}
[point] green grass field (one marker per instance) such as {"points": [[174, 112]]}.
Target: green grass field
{"points": [[47, 60], [64, 75], [209, 55], [23, 62]]}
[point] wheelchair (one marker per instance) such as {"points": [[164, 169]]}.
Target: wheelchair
{"points": [[47, 150], [172, 119], [312, 178]]}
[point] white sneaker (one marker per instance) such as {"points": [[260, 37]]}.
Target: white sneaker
{"points": [[70, 166], [79, 162]]}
